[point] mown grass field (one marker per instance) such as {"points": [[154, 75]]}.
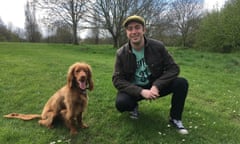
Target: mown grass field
{"points": [[31, 73]]}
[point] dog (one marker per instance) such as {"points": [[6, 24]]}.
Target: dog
{"points": [[68, 103]]}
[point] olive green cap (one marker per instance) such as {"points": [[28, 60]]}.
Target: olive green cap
{"points": [[134, 18]]}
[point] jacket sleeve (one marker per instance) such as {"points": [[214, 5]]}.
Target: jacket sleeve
{"points": [[120, 81], [170, 70]]}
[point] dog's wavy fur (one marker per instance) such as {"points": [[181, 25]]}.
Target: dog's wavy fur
{"points": [[68, 103]]}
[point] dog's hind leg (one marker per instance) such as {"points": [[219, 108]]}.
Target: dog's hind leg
{"points": [[47, 119]]}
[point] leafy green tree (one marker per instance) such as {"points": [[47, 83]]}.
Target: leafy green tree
{"points": [[219, 30], [210, 35], [231, 25]]}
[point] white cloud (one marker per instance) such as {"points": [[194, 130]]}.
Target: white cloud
{"points": [[12, 11]]}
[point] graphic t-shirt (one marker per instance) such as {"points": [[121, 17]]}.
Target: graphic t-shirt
{"points": [[142, 71]]}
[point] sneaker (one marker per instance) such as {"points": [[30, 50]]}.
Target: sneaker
{"points": [[134, 114], [178, 124]]}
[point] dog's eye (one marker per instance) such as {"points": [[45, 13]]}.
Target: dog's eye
{"points": [[78, 70]]}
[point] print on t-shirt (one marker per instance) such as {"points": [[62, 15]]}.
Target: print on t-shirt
{"points": [[142, 71]]}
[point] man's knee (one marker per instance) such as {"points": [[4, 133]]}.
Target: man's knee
{"points": [[182, 82], [120, 105], [124, 103]]}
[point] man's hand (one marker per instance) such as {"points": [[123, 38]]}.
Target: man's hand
{"points": [[155, 91], [151, 94]]}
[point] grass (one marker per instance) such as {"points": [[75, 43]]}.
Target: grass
{"points": [[31, 73]]}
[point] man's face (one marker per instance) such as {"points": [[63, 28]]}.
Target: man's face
{"points": [[135, 32]]}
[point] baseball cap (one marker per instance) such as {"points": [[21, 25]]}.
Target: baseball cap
{"points": [[134, 18]]}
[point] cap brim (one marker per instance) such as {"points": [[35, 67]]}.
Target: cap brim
{"points": [[134, 18]]}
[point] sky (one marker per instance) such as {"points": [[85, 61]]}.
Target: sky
{"points": [[12, 11]]}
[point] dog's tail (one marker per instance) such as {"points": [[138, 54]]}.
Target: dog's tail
{"points": [[23, 116]]}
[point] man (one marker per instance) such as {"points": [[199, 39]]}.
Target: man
{"points": [[145, 70]]}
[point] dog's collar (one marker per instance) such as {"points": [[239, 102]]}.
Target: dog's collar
{"points": [[84, 91]]}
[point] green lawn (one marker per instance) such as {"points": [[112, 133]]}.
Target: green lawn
{"points": [[31, 73]]}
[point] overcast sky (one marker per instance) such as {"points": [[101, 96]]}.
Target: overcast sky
{"points": [[12, 11]]}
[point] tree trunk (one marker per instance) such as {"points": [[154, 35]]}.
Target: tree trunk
{"points": [[116, 42], [75, 37]]}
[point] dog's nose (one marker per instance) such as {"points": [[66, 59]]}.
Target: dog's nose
{"points": [[83, 78]]}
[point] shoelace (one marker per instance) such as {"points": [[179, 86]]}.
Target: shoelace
{"points": [[178, 123]]}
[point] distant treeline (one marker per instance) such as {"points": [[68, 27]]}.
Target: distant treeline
{"points": [[181, 23]]}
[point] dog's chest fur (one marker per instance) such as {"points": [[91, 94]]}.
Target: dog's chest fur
{"points": [[78, 99]]}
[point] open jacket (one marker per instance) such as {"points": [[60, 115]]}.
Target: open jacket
{"points": [[160, 63]]}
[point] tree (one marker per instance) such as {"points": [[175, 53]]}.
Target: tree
{"points": [[112, 13], [7, 34], [157, 22], [219, 30], [185, 16], [210, 36], [32, 31], [231, 21], [95, 30], [62, 34], [68, 11], [3, 31]]}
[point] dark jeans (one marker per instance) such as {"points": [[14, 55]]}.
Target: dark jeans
{"points": [[178, 88]]}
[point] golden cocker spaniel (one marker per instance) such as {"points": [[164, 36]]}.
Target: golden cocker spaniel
{"points": [[68, 103]]}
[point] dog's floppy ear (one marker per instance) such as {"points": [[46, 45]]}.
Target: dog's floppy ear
{"points": [[90, 80], [70, 76]]}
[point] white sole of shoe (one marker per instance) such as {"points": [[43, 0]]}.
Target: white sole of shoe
{"points": [[183, 131]]}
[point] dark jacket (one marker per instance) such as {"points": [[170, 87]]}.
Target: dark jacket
{"points": [[161, 64]]}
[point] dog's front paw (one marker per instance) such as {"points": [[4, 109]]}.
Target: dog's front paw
{"points": [[73, 132]]}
